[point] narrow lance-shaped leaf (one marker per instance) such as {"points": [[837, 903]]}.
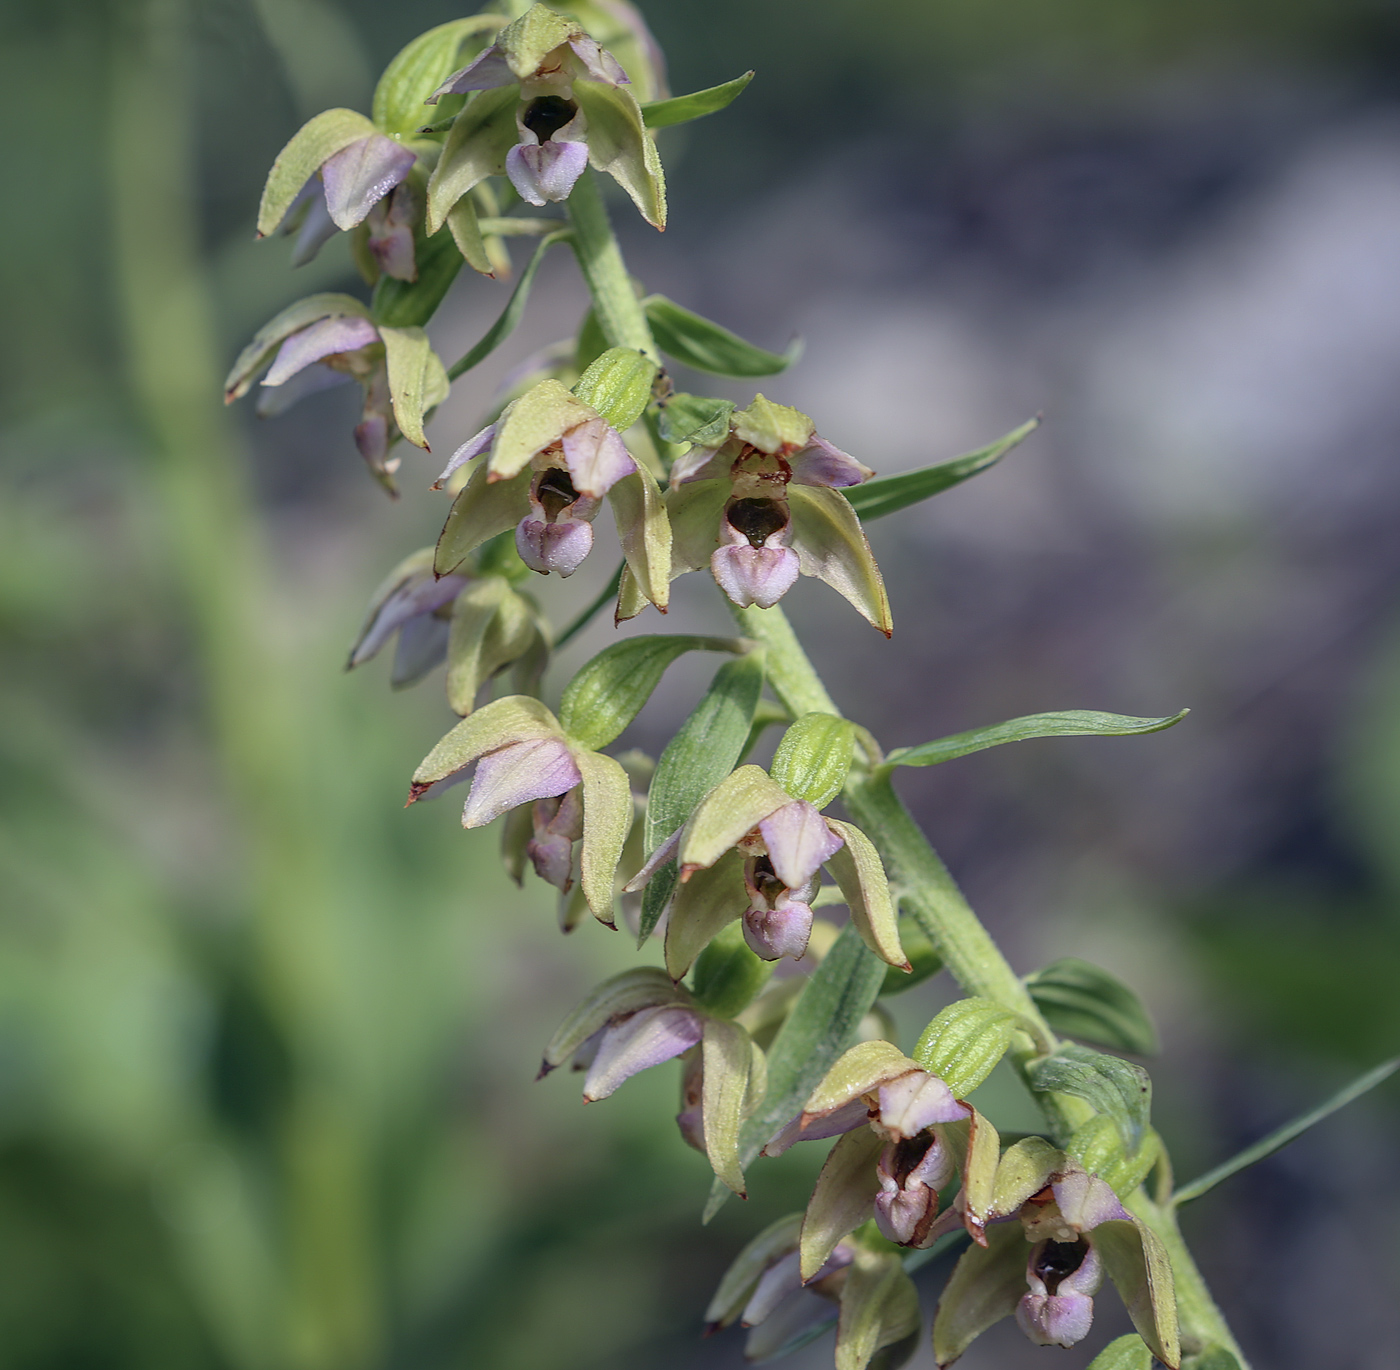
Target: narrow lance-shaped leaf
{"points": [[1068, 723], [1081, 1000], [708, 346], [886, 495], [609, 691], [510, 315], [963, 1044], [1280, 1137], [1116, 1087], [696, 759], [820, 1027], [683, 108]]}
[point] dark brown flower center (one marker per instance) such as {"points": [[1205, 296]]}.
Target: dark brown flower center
{"points": [[757, 519], [547, 115], [1058, 1259], [555, 492]]}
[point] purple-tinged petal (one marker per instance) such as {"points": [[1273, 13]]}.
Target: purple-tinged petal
{"points": [[361, 175], [1059, 1309], [596, 457], [473, 447], [911, 1174], [792, 1317], [310, 381], [1055, 1319], [646, 1038], [664, 853], [798, 841], [372, 440], [390, 225], [805, 1128], [412, 599], [325, 338], [782, 1278], [598, 62], [485, 72], [1085, 1200], [422, 645], [316, 230], [777, 932], [754, 575], [915, 1101], [701, 463], [559, 546], [546, 172], [819, 463], [516, 774]]}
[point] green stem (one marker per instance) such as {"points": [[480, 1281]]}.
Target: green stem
{"points": [[620, 314]]}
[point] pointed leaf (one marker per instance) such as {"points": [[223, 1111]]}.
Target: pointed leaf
{"points": [[876, 498], [620, 144], [514, 718], [1081, 1000], [820, 1027], [734, 807], [1280, 1137], [860, 874], [683, 108], [475, 148], [311, 145], [607, 819], [985, 1287], [814, 758], [697, 758], [472, 614], [618, 385], [482, 510], [977, 1159], [697, 419], [644, 530], [1116, 1087], [702, 908], [465, 228], [1068, 723], [832, 545], [1126, 1353], [634, 989], [609, 691], [417, 380], [879, 1308], [696, 341], [510, 315], [420, 68], [1138, 1265], [861, 1070], [963, 1044], [728, 1057]]}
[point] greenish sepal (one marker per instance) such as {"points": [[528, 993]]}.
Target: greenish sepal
{"points": [[1140, 1269], [609, 691], [407, 304], [538, 419], [965, 1041], [1098, 1147], [681, 109], [821, 1025], [1125, 1353], [738, 1283], [1112, 1085], [696, 341], [492, 627], [607, 819], [860, 873], [986, 1285], [701, 908], [727, 976], [735, 806], [697, 758], [1025, 1168], [637, 988], [1082, 1000], [879, 1322], [843, 1197], [644, 530], [483, 509], [1066, 723], [772, 427], [465, 229], [734, 1078], [832, 546], [696, 419], [1280, 1137], [475, 148], [513, 718], [317, 140], [620, 144], [421, 67], [510, 315], [292, 319], [618, 385], [814, 758], [876, 498], [528, 40], [924, 960], [417, 379]]}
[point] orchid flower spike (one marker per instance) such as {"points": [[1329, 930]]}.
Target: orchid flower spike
{"points": [[546, 101], [549, 461], [765, 505], [327, 340], [523, 756], [640, 1019], [752, 851]]}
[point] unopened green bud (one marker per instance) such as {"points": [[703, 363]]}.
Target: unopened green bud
{"points": [[814, 758], [618, 385], [965, 1041]]}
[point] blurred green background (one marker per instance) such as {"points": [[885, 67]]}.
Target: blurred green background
{"points": [[266, 1041]]}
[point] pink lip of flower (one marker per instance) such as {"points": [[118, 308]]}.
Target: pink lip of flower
{"points": [[1058, 1309]]}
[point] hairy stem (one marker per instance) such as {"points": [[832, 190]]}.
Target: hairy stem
{"points": [[620, 313]]}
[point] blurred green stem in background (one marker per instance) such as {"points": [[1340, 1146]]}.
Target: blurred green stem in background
{"points": [[323, 1310]]}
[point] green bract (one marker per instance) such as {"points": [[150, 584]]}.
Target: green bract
{"points": [[1081, 1000], [814, 757], [963, 1044]]}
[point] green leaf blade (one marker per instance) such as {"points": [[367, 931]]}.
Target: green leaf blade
{"points": [[707, 346], [1078, 999], [1113, 1086], [683, 108], [889, 494]]}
